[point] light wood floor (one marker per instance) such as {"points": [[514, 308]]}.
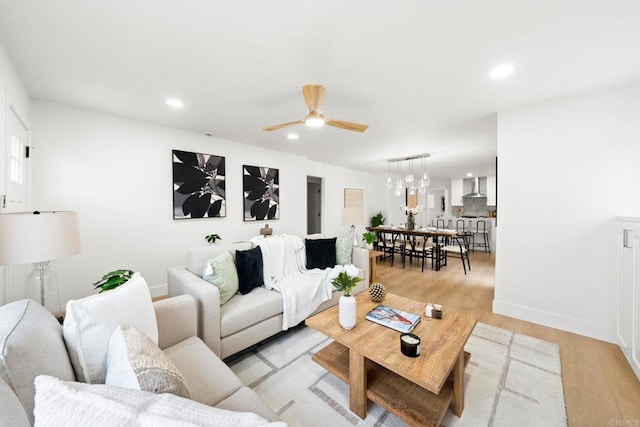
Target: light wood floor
{"points": [[599, 386]]}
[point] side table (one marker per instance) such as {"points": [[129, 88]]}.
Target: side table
{"points": [[372, 265]]}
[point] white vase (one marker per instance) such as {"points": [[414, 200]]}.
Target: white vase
{"points": [[347, 312], [368, 246]]}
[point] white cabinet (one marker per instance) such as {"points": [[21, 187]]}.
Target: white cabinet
{"points": [[491, 191], [628, 290], [456, 192]]}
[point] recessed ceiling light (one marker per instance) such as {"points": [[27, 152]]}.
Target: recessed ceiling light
{"points": [[502, 71], [292, 136], [175, 103], [469, 174]]}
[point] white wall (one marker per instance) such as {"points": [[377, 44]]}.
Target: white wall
{"points": [[567, 167], [117, 174]]}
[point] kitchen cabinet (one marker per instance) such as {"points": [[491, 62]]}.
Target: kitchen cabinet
{"points": [[628, 290], [456, 192], [491, 191]]}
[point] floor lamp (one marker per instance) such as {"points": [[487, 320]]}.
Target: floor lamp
{"points": [[353, 217], [38, 238]]}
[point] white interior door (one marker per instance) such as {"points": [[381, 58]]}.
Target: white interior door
{"points": [[16, 165], [14, 197]]}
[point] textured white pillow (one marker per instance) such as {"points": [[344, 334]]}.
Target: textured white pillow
{"points": [[89, 323], [60, 403], [135, 362]]}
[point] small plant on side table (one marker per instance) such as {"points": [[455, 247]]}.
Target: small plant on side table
{"points": [[211, 238], [112, 280], [369, 238]]}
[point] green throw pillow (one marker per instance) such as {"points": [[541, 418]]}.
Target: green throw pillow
{"points": [[344, 247], [221, 272]]}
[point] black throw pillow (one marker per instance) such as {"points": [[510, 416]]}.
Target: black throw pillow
{"points": [[321, 253], [249, 265]]}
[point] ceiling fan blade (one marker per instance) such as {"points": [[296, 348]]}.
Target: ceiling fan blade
{"points": [[282, 125], [357, 127], [313, 97]]}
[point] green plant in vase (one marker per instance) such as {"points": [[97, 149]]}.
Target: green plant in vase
{"points": [[377, 220], [211, 238], [369, 238], [347, 303], [345, 283], [112, 280]]}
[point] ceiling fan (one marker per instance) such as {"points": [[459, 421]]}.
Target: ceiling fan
{"points": [[314, 98]]}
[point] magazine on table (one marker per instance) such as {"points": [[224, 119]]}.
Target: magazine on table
{"points": [[393, 318]]}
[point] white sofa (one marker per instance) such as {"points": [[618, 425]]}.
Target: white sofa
{"points": [[32, 344], [247, 319]]}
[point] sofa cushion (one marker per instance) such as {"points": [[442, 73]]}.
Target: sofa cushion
{"points": [[198, 257], [209, 379], [90, 321], [250, 274], [30, 344], [135, 362], [245, 400], [221, 272], [243, 311], [76, 404], [13, 414], [344, 247], [321, 253]]}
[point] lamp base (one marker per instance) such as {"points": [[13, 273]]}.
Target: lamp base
{"points": [[353, 236], [42, 286]]}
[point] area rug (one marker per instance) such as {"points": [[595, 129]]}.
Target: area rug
{"points": [[512, 379]]}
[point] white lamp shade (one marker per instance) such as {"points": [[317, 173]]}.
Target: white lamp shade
{"points": [[27, 237], [352, 216]]}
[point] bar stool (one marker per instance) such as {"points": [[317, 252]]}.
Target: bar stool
{"points": [[467, 235], [440, 223], [483, 234]]}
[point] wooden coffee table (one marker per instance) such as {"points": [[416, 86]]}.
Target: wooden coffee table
{"points": [[417, 390]]}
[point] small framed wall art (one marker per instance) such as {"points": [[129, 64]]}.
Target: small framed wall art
{"points": [[198, 185], [261, 193], [353, 198]]}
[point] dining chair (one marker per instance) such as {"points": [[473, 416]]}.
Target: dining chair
{"points": [[456, 248], [419, 248]]}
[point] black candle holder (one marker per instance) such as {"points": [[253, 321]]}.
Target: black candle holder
{"points": [[410, 345]]}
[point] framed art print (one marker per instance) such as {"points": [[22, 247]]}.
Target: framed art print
{"points": [[261, 193], [198, 185]]}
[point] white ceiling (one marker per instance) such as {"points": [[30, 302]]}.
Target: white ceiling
{"points": [[415, 71]]}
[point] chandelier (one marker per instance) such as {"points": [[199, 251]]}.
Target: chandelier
{"points": [[408, 180]]}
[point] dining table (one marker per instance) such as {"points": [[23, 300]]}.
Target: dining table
{"points": [[435, 233]]}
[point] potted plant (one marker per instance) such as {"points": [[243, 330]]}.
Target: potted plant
{"points": [[112, 280], [377, 220], [211, 238], [347, 303], [369, 238]]}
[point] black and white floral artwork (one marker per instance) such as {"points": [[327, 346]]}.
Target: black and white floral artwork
{"points": [[198, 185], [261, 187]]}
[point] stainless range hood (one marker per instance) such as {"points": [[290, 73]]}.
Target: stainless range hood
{"points": [[476, 189]]}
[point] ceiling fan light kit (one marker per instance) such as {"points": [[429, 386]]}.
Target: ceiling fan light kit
{"points": [[314, 99]]}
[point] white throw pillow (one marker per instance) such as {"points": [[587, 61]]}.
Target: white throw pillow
{"points": [[89, 323], [136, 362], [61, 403]]}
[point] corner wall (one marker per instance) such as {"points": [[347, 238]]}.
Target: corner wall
{"points": [[117, 173], [567, 167]]}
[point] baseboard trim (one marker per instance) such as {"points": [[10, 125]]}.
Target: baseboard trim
{"points": [[159, 290], [574, 325]]}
